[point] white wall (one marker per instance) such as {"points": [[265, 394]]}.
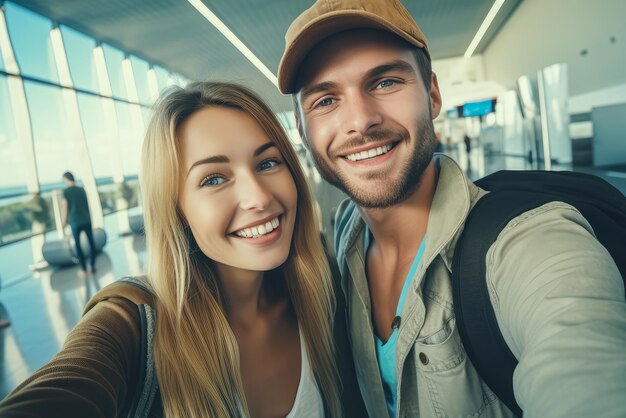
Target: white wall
{"points": [[463, 80], [544, 32], [585, 102]]}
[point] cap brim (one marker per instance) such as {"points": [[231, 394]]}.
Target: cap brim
{"points": [[323, 27]]}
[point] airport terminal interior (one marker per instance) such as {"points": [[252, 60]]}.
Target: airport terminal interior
{"points": [[523, 89]]}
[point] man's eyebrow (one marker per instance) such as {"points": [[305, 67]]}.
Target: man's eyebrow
{"points": [[397, 65], [224, 159], [316, 88]]}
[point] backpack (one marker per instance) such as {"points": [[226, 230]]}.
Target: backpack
{"points": [[513, 193], [146, 401]]}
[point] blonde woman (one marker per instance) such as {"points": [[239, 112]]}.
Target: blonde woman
{"points": [[242, 291]]}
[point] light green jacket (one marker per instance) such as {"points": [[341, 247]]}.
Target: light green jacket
{"points": [[557, 295]]}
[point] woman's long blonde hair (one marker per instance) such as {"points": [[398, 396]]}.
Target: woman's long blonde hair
{"points": [[196, 353]]}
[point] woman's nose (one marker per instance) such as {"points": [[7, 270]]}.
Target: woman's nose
{"points": [[253, 194]]}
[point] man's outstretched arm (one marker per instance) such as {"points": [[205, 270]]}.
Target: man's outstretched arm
{"points": [[559, 301]]}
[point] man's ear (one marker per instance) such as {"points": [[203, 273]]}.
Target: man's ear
{"points": [[435, 97]]}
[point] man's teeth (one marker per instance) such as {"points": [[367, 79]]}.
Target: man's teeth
{"points": [[259, 230], [374, 152]]}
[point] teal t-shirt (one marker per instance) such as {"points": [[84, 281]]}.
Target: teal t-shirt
{"points": [[386, 352], [77, 206]]}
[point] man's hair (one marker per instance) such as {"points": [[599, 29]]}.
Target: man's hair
{"points": [[68, 175], [425, 67]]}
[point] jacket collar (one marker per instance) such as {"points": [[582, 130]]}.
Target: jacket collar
{"points": [[455, 194]]}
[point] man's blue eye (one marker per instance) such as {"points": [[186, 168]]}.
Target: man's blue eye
{"points": [[267, 164], [325, 102], [213, 181], [386, 83]]}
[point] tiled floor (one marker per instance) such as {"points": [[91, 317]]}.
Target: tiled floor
{"points": [[44, 306]]}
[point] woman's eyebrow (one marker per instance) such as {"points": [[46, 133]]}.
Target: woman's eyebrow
{"points": [[263, 148], [209, 160], [224, 159]]}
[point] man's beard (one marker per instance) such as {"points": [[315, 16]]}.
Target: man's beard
{"points": [[398, 189]]}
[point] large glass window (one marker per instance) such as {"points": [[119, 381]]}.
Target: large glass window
{"points": [[80, 58], [12, 163], [114, 58], [162, 77], [130, 137], [103, 158], [177, 80], [58, 144], [30, 35], [96, 133], [55, 148], [18, 211], [1, 62], [146, 112], [140, 73]]}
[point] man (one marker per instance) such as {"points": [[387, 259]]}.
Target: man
{"points": [[75, 212], [365, 98]]}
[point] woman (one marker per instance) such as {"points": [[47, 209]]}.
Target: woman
{"points": [[242, 289]]}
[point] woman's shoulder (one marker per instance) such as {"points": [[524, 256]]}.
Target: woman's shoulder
{"points": [[134, 289]]}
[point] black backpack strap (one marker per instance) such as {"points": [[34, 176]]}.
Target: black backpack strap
{"points": [[475, 316]]}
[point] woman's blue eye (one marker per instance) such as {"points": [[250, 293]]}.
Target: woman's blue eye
{"points": [[267, 164], [213, 181]]}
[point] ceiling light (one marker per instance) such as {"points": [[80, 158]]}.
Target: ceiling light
{"points": [[483, 28], [232, 38]]}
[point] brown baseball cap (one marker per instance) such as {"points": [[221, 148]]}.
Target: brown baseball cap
{"points": [[328, 17]]}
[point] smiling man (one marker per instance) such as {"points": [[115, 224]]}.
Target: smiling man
{"points": [[365, 98]]}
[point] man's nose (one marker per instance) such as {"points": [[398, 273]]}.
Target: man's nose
{"points": [[360, 114]]}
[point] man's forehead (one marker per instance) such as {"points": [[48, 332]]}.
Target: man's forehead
{"points": [[343, 48]]}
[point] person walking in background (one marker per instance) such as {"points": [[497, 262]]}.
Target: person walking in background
{"points": [[468, 149], [468, 144], [75, 212]]}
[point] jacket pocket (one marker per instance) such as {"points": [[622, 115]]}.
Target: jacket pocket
{"points": [[454, 387]]}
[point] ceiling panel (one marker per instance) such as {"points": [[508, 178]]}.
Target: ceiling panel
{"points": [[171, 33]]}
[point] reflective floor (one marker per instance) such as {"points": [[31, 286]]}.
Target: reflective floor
{"points": [[43, 306]]}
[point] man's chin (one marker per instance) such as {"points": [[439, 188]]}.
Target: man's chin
{"points": [[378, 194]]}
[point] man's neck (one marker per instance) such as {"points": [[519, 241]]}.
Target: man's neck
{"points": [[401, 228]]}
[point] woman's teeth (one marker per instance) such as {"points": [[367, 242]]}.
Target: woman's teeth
{"points": [[259, 230]]}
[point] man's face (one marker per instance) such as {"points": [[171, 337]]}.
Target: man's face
{"points": [[366, 115]]}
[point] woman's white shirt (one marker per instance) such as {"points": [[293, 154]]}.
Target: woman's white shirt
{"points": [[308, 402]]}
